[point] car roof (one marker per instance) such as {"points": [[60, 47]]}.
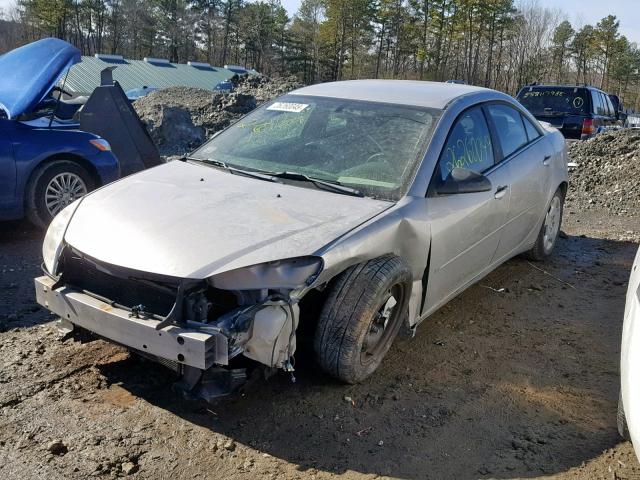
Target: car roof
{"points": [[402, 92], [557, 86]]}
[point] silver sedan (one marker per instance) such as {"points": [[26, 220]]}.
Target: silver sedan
{"points": [[629, 403], [343, 212]]}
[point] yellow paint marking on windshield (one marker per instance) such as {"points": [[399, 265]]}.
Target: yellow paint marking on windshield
{"points": [[277, 122]]}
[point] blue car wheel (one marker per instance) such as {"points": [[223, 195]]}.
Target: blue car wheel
{"points": [[52, 187]]}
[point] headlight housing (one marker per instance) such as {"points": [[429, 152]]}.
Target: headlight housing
{"points": [[54, 239], [291, 273]]}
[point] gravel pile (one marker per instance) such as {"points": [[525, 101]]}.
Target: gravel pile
{"points": [[608, 173], [181, 118]]}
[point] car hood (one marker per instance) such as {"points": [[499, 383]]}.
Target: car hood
{"points": [[192, 221], [28, 73]]}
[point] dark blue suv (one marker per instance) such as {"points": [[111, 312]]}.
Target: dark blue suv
{"points": [[578, 111], [45, 163]]}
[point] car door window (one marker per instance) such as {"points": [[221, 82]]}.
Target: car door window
{"points": [[603, 102], [597, 103], [532, 131], [469, 145], [509, 128], [612, 110]]}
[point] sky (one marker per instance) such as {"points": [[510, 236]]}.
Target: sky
{"points": [[578, 12]]}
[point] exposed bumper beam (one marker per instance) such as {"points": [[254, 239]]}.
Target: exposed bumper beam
{"points": [[187, 346]]}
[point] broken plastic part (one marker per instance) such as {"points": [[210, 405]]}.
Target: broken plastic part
{"points": [[289, 273]]}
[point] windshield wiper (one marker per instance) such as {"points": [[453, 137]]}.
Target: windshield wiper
{"points": [[335, 186], [235, 170]]}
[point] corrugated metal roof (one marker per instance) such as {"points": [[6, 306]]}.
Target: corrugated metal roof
{"points": [[85, 76]]}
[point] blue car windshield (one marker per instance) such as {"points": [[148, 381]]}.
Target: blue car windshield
{"points": [[372, 147]]}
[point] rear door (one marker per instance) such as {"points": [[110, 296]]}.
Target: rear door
{"points": [[465, 228], [526, 155]]}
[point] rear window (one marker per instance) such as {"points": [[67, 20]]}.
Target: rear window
{"points": [[554, 100]]}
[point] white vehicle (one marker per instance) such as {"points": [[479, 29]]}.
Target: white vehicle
{"points": [[629, 405], [633, 121]]}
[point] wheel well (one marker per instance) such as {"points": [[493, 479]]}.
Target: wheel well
{"points": [[84, 163], [564, 186]]}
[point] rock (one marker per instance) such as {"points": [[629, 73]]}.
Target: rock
{"points": [[129, 468], [347, 399], [229, 445], [57, 447], [608, 172]]}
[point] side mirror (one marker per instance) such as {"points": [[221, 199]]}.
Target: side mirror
{"points": [[463, 180]]}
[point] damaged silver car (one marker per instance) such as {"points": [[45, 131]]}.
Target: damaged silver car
{"points": [[347, 210]]}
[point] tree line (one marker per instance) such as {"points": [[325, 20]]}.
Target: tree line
{"points": [[499, 44]]}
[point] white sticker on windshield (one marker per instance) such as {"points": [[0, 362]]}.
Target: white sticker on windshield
{"points": [[288, 107]]}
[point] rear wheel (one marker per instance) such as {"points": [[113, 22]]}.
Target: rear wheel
{"points": [[550, 229], [52, 187], [361, 317]]}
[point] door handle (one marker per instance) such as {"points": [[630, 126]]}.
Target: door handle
{"points": [[500, 192], [545, 162]]}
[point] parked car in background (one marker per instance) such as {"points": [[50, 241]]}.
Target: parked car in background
{"points": [[224, 86], [136, 93], [578, 111], [632, 120], [629, 404], [357, 208], [45, 162]]}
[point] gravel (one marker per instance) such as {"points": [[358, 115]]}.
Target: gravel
{"points": [[608, 173], [181, 118]]}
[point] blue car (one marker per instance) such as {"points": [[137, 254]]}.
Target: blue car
{"points": [[45, 163]]}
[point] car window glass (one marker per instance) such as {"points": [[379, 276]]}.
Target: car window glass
{"points": [[468, 146], [532, 131], [544, 100], [597, 103], [373, 147], [509, 127], [603, 103], [612, 111]]}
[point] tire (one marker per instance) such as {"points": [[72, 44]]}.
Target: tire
{"points": [[622, 420], [358, 321], [546, 241], [64, 176]]}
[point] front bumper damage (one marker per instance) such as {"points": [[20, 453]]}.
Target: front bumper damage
{"points": [[200, 352]]}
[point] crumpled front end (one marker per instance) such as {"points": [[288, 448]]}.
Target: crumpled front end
{"points": [[211, 325]]}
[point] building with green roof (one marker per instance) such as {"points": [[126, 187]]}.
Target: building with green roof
{"points": [[84, 77]]}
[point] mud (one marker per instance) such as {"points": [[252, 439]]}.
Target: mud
{"points": [[514, 383]]}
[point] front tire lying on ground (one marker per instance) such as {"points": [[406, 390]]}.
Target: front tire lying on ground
{"points": [[361, 317], [52, 187], [550, 230]]}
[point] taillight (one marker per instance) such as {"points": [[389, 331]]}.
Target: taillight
{"points": [[588, 128]]}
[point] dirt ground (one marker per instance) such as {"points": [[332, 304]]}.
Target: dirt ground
{"points": [[514, 383]]}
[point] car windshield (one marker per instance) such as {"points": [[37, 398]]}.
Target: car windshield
{"points": [[554, 100], [372, 147]]}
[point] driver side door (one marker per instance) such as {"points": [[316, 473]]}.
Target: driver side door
{"points": [[465, 227]]}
